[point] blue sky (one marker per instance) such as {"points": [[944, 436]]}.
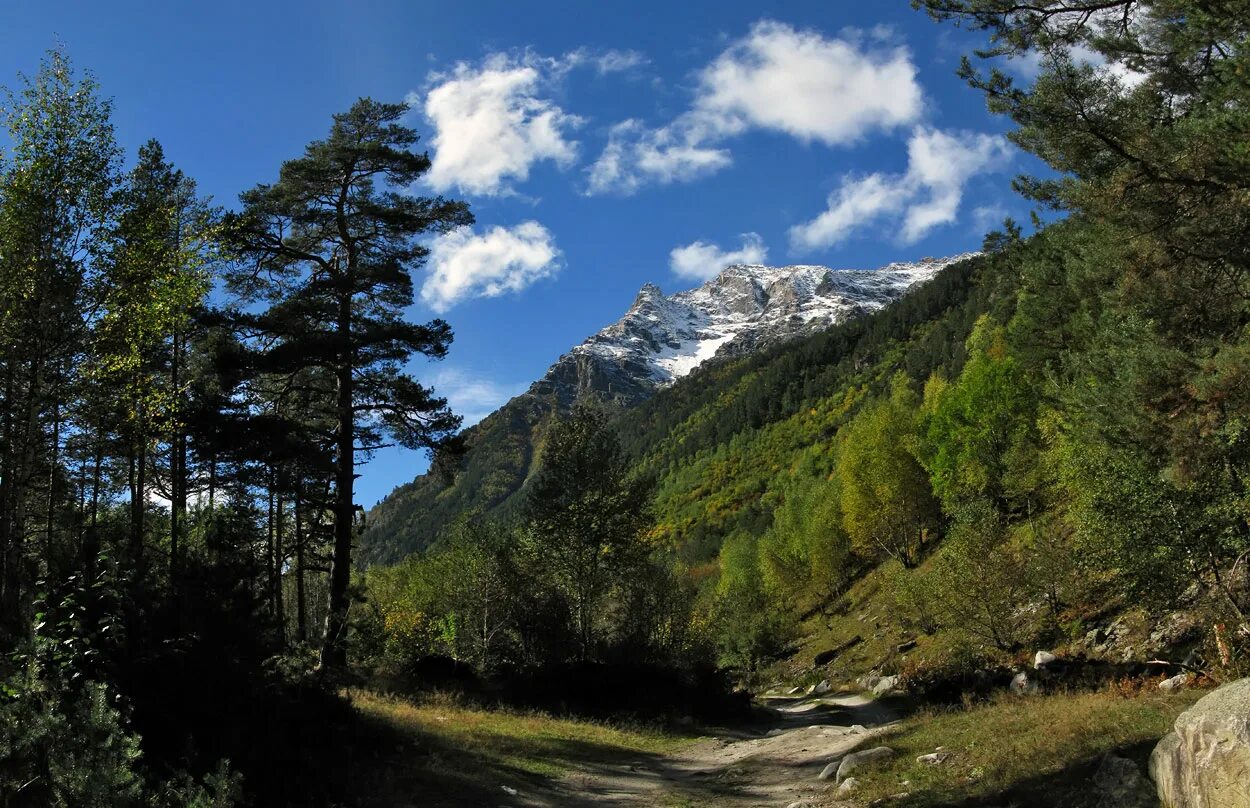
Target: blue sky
{"points": [[601, 145]]}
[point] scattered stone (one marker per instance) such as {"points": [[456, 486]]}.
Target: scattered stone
{"points": [[1176, 682], [848, 785], [1022, 685], [860, 760], [933, 758], [1043, 658], [1205, 760], [800, 804], [1120, 784], [829, 771], [867, 682], [822, 688], [906, 646], [794, 691], [511, 792], [885, 685]]}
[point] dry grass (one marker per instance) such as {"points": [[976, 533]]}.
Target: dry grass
{"points": [[451, 754], [1033, 748]]}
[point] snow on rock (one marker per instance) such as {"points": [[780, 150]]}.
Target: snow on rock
{"points": [[663, 338]]}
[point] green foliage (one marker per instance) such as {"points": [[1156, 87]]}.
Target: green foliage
{"points": [[751, 628], [887, 508], [586, 518], [807, 552], [973, 425]]}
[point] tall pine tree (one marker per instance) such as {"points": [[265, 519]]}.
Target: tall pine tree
{"points": [[331, 247]]}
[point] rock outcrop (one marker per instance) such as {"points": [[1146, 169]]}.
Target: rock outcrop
{"points": [[1205, 761]]}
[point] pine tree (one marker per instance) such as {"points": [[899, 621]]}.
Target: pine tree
{"points": [[331, 246]]}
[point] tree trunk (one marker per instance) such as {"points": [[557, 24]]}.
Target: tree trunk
{"points": [[301, 612], [270, 556], [279, 556], [334, 646], [177, 467]]}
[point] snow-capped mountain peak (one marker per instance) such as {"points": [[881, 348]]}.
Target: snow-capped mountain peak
{"points": [[662, 338]]}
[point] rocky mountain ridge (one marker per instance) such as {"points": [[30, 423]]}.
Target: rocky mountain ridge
{"points": [[745, 307]]}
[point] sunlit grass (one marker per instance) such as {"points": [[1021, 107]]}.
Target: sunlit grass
{"points": [[1012, 742], [449, 749]]}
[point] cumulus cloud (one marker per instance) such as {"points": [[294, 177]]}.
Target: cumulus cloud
{"points": [[492, 123], [701, 261], [465, 264], [472, 396], [814, 88], [939, 165], [635, 155]]}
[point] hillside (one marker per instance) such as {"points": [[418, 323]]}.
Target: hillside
{"points": [[743, 319]]}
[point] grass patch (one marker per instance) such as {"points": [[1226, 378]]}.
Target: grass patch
{"points": [[1038, 749], [448, 753]]}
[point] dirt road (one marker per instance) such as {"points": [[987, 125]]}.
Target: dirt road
{"points": [[777, 766]]}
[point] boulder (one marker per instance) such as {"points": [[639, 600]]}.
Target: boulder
{"points": [[1120, 784], [1043, 658], [934, 758], [848, 785], [857, 761], [885, 684], [868, 682], [829, 771], [1176, 682], [1022, 685], [1204, 762], [822, 688]]}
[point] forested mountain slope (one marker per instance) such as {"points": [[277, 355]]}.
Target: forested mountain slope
{"points": [[763, 313]]}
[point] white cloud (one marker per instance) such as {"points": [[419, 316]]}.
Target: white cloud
{"points": [[635, 155], [928, 195], [1029, 64], [829, 90], [472, 396], [465, 265], [604, 62], [701, 261], [798, 82], [491, 124]]}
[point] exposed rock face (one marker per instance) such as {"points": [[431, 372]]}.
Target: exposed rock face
{"points": [[744, 308], [1205, 761]]}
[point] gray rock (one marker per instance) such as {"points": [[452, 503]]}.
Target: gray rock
{"points": [[867, 682], [1043, 658], [857, 761], [1177, 682], [885, 685], [822, 688], [1120, 784], [848, 785], [905, 646], [794, 691], [1205, 761], [1022, 685], [829, 771], [933, 758]]}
